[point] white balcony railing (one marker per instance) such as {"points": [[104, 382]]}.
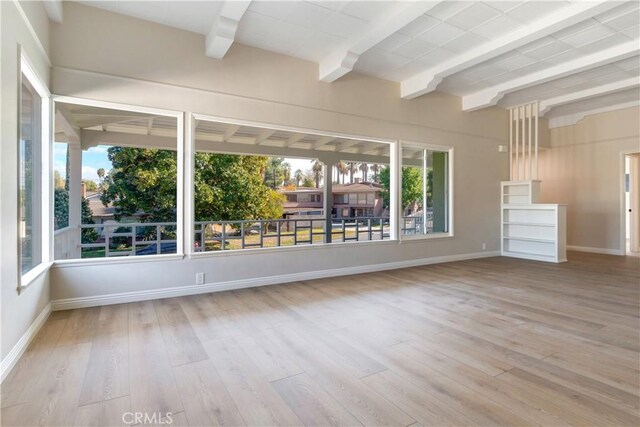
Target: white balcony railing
{"points": [[141, 238]]}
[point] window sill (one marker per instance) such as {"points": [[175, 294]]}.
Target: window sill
{"points": [[419, 237], [65, 263], [293, 248], [30, 276], [240, 252]]}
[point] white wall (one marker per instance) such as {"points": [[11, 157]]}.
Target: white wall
{"points": [[104, 56], [583, 169], [18, 311]]}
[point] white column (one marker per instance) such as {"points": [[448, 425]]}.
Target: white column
{"points": [[395, 187], [327, 201], [75, 198]]}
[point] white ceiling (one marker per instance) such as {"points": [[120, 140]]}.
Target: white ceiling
{"points": [[466, 48]]}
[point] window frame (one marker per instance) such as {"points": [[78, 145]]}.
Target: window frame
{"points": [[449, 190], [180, 182], [192, 117], [26, 71]]}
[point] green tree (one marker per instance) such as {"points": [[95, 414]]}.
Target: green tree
{"points": [[351, 166], [308, 180], [375, 168], [274, 172], [286, 172], [364, 168], [61, 215], [342, 170], [299, 176], [227, 187], [58, 181], [101, 174], [90, 185], [142, 181], [61, 208], [89, 235], [316, 169], [411, 185]]}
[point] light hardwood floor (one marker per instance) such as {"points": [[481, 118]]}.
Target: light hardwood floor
{"points": [[485, 342]]}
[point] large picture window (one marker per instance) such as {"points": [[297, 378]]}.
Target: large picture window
{"points": [[29, 179], [115, 182], [258, 187], [425, 204]]}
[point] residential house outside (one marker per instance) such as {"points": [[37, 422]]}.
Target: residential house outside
{"points": [[356, 200]]}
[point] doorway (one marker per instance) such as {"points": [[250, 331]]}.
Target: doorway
{"points": [[632, 203]]}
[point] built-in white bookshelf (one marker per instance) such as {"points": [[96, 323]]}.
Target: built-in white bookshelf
{"points": [[520, 192], [531, 230]]}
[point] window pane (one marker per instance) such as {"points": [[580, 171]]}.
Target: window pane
{"points": [[29, 177], [425, 195], [115, 199]]}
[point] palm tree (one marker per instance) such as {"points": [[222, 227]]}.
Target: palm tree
{"points": [[352, 168], [342, 170], [375, 168], [364, 168], [286, 170], [317, 172], [298, 175]]}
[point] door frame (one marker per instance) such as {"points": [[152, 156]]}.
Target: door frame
{"points": [[623, 204]]}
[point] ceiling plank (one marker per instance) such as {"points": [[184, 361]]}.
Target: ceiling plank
{"points": [[264, 135], [54, 10], [321, 142], [341, 61], [223, 31], [572, 119], [428, 80], [490, 96], [293, 139], [66, 126], [347, 144], [592, 92], [229, 132]]}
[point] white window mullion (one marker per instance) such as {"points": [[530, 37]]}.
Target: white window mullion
{"points": [[395, 188], [47, 180], [188, 224], [181, 189]]}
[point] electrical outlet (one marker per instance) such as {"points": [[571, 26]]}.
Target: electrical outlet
{"points": [[484, 246], [199, 278]]}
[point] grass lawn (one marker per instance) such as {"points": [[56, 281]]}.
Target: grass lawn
{"points": [[270, 240]]}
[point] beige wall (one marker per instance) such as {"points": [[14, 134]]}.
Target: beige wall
{"points": [[583, 169], [18, 311], [104, 56]]}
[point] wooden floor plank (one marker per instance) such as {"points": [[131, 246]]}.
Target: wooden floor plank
{"points": [[495, 341], [18, 385], [80, 326], [114, 412], [313, 405], [369, 408], [260, 404], [107, 375], [54, 396], [181, 341], [204, 396], [151, 382]]}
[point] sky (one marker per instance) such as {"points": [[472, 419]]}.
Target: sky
{"points": [[92, 159], [96, 157]]}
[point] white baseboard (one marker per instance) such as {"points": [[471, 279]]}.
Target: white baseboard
{"points": [[533, 257], [98, 300], [605, 251], [18, 350]]}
